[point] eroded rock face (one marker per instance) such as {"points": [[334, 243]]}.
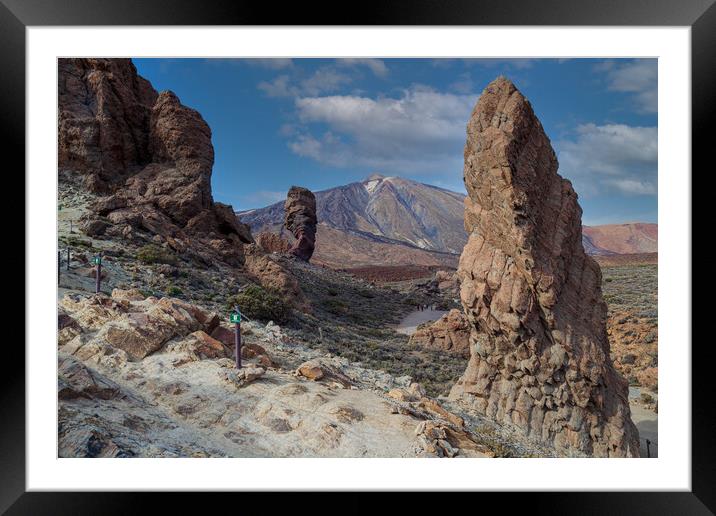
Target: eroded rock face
{"points": [[539, 349], [300, 220], [147, 155], [450, 333], [272, 243]]}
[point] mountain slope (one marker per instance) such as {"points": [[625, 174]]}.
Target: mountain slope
{"points": [[420, 215], [394, 221], [637, 237]]}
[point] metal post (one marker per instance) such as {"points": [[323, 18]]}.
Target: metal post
{"points": [[99, 273], [648, 450], [68, 258], [237, 339], [59, 264]]}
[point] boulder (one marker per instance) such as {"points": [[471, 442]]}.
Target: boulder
{"points": [[540, 357], [208, 347], [450, 333], [224, 335], [319, 369]]}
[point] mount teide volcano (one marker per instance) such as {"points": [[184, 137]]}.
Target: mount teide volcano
{"points": [[379, 221], [395, 221]]}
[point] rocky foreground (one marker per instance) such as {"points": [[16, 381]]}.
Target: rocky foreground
{"points": [[143, 377]]}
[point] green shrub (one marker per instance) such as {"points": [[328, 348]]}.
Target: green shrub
{"points": [[335, 306], [647, 398], [262, 304], [174, 291], [152, 253]]}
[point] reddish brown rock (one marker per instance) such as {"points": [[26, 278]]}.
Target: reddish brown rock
{"points": [[450, 333], [148, 155], [300, 220], [208, 347], [539, 350], [272, 243], [272, 276], [225, 335]]}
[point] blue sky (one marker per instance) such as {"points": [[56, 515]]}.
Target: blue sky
{"points": [[320, 123]]}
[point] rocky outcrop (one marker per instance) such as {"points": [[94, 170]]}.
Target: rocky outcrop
{"points": [[148, 156], [450, 333], [186, 398], [539, 350], [272, 243], [300, 220]]}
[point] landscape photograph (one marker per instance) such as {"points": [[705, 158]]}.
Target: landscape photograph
{"points": [[357, 257]]}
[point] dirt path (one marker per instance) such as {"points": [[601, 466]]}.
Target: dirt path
{"points": [[411, 321], [646, 422]]}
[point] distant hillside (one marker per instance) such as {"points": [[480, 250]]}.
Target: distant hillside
{"points": [[392, 221], [637, 237]]}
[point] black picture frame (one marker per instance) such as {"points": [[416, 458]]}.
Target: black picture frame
{"points": [[700, 15]]}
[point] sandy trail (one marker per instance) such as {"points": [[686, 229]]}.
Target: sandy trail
{"points": [[410, 322], [646, 422]]}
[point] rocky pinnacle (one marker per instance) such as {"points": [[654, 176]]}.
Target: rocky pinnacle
{"points": [[539, 350], [300, 220], [147, 158]]}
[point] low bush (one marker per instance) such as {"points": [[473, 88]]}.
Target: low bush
{"points": [[174, 291], [152, 253], [335, 306], [647, 398], [260, 303]]}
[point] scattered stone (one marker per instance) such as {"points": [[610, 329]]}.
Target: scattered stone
{"points": [[75, 380], [320, 369], [245, 375], [132, 294]]}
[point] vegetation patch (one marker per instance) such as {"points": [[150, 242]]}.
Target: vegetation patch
{"points": [[261, 304], [152, 253]]}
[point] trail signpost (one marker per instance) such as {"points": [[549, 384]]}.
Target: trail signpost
{"points": [[235, 318]]}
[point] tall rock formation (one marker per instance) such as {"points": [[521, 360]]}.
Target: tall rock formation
{"points": [[300, 220], [539, 349], [146, 155]]}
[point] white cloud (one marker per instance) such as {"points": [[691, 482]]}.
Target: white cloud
{"points": [[638, 77], [279, 87], [634, 187], [377, 66], [324, 80], [613, 157], [422, 130]]}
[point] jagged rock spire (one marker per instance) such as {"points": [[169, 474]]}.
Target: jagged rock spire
{"points": [[539, 349]]}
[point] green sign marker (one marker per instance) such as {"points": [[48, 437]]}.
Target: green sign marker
{"points": [[235, 318], [97, 260]]}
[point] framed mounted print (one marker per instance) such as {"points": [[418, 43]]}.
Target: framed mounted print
{"points": [[446, 248]]}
